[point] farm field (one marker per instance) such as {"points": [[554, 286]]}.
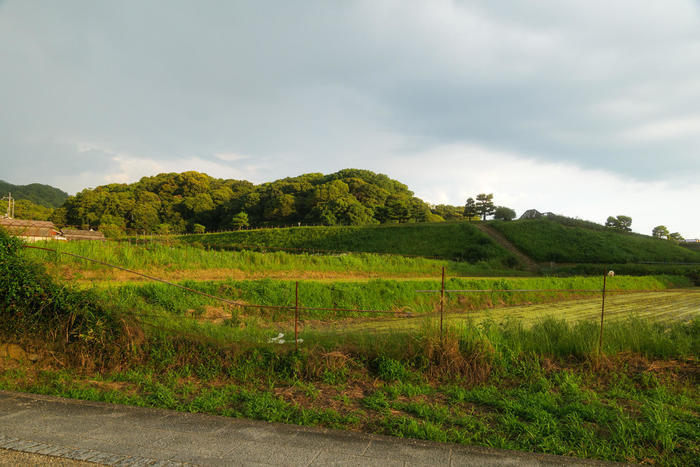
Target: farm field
{"points": [[666, 306]]}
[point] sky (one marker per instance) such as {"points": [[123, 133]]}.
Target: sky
{"points": [[583, 108]]}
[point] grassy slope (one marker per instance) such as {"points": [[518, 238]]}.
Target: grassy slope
{"points": [[186, 261], [546, 240], [457, 241], [692, 246]]}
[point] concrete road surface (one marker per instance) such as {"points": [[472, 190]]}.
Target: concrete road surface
{"points": [[119, 435]]}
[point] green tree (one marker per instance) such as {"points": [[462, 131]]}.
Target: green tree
{"points": [[503, 213], [623, 223], [484, 205], [198, 229], [240, 220], [144, 218], [112, 231], [25, 209], [660, 231], [675, 237], [470, 211]]}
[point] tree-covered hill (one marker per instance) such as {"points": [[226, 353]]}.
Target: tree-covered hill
{"points": [[43, 195], [193, 201], [25, 209]]}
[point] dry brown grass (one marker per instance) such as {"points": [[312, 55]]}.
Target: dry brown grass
{"points": [[448, 359]]}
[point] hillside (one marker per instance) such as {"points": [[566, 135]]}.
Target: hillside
{"points": [[43, 195], [455, 241], [691, 246], [25, 209], [548, 240]]}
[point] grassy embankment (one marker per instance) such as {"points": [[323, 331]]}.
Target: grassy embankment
{"points": [[547, 240], [583, 248], [540, 388], [579, 248], [695, 246], [458, 241]]}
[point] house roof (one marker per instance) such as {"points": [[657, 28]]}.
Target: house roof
{"points": [[77, 234], [29, 228]]}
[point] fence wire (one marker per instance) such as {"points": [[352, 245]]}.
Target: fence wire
{"points": [[387, 319]]}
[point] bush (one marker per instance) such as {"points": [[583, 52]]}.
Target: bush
{"points": [[33, 306], [389, 369]]}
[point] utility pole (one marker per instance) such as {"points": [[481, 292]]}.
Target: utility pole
{"points": [[10, 214]]}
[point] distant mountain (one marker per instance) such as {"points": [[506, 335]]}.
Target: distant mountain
{"points": [[43, 195]]}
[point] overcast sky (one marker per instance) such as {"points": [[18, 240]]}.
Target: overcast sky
{"points": [[585, 108]]}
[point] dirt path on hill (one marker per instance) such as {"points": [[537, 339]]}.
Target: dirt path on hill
{"points": [[498, 237]]}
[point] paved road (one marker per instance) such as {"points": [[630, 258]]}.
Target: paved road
{"points": [[120, 435]]}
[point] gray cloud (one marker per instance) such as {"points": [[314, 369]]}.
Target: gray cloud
{"points": [[322, 85]]}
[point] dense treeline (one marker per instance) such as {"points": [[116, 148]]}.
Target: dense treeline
{"points": [[196, 202], [43, 195]]}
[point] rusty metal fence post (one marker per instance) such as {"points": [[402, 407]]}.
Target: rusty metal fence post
{"points": [[296, 317], [442, 300], [602, 314]]}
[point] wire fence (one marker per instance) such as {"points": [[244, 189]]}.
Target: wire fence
{"points": [[603, 293]]}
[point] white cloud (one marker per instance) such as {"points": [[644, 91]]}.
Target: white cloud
{"points": [[231, 156], [664, 130], [451, 174]]}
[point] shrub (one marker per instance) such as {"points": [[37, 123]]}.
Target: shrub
{"points": [[389, 369], [33, 306]]}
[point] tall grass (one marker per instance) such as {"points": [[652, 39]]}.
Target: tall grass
{"points": [[162, 257], [376, 294]]}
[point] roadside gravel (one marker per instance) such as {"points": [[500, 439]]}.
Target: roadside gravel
{"points": [[14, 458]]}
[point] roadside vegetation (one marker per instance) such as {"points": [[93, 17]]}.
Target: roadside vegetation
{"points": [[539, 386]]}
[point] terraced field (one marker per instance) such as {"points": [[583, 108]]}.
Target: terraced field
{"points": [[662, 306]]}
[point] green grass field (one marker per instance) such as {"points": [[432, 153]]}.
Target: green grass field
{"points": [[374, 294], [548, 240], [665, 306]]}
